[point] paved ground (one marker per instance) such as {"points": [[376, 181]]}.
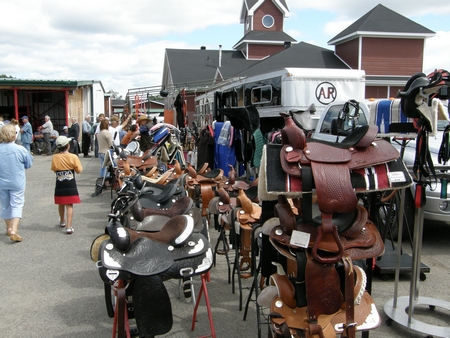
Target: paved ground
{"points": [[52, 289]]}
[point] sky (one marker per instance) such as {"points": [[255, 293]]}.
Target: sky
{"points": [[122, 43]]}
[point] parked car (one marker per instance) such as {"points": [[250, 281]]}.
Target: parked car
{"points": [[437, 207]]}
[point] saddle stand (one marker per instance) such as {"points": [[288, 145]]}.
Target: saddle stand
{"points": [[206, 277]]}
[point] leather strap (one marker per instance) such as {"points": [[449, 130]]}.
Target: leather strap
{"points": [[350, 325]]}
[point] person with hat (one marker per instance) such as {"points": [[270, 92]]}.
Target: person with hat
{"points": [[145, 124], [53, 136], [15, 160], [26, 134], [65, 165], [65, 131]]}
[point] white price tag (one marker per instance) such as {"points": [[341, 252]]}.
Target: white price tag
{"points": [[300, 238], [396, 177]]}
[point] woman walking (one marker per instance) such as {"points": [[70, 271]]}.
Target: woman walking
{"points": [[15, 159], [65, 165]]}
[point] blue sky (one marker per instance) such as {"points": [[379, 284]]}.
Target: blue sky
{"points": [[122, 43]]}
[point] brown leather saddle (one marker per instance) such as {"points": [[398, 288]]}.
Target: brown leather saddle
{"points": [[321, 246], [142, 163], [201, 187]]}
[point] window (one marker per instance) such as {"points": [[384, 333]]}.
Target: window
{"points": [[333, 112], [268, 21], [261, 95]]}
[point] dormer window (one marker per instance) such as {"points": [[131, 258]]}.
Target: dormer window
{"points": [[268, 21]]}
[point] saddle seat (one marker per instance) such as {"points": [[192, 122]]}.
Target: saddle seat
{"points": [[143, 162], [179, 207], [175, 232]]}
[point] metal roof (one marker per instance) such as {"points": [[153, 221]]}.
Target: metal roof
{"points": [[191, 66], [382, 21], [14, 82], [301, 55]]}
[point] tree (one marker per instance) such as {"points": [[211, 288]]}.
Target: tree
{"points": [[114, 95]]}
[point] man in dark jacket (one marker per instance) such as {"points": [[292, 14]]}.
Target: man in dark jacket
{"points": [[74, 134]]}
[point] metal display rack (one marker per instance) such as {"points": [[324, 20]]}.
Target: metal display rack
{"points": [[401, 309]]}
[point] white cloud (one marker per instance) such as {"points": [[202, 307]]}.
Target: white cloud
{"points": [[122, 43], [437, 52]]}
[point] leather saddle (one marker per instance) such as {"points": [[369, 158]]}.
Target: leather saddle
{"points": [[318, 247], [290, 320], [176, 246], [201, 187], [356, 236], [146, 161], [330, 165]]}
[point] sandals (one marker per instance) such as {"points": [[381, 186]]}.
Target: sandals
{"points": [[69, 231], [13, 237]]}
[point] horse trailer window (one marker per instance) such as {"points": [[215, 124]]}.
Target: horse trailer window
{"points": [[261, 95]]}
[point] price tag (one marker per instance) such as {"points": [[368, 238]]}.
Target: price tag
{"points": [[300, 238], [396, 177]]}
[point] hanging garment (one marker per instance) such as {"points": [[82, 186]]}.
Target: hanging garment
{"points": [[205, 149], [224, 154], [257, 145]]}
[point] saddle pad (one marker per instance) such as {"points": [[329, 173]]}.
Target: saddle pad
{"points": [[145, 257], [386, 176]]}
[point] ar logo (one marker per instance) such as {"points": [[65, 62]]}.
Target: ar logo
{"points": [[326, 93]]}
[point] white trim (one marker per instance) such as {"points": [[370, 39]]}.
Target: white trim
{"points": [[360, 53], [283, 9], [382, 35], [265, 16], [251, 11]]}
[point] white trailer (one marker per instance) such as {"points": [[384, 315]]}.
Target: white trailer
{"points": [[284, 90]]}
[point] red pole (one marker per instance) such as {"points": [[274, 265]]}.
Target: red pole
{"points": [[16, 104]]}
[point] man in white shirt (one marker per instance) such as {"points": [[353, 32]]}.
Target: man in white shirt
{"points": [[47, 129]]}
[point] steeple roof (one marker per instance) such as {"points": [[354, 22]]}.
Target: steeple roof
{"points": [[251, 5]]}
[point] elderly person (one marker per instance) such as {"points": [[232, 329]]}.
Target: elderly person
{"points": [[74, 134], [47, 129], [53, 136], [15, 159], [27, 133], [38, 144], [65, 132], [86, 136]]}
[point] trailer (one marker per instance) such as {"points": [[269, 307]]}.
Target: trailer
{"points": [[281, 91]]}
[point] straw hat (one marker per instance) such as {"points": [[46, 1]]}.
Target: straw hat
{"points": [[143, 118]]}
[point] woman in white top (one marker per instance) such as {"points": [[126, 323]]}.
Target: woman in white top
{"points": [[15, 123]]}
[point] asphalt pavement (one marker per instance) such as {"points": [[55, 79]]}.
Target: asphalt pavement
{"points": [[51, 287]]}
